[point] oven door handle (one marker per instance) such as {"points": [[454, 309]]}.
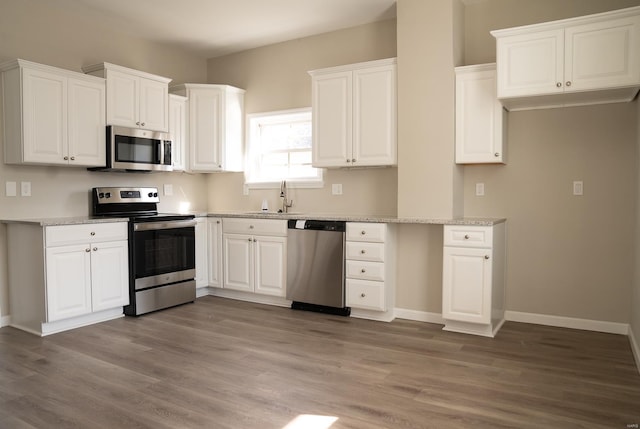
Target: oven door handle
{"points": [[170, 224]]}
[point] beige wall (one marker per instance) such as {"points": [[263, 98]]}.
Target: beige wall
{"points": [[567, 256], [62, 33], [275, 78]]}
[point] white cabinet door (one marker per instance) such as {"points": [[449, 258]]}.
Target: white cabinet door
{"points": [[109, 275], [530, 64], [602, 55], [154, 99], [202, 244], [466, 279], [238, 262], [178, 130], [270, 265], [374, 116], [215, 252], [332, 119], [480, 118], [205, 109], [122, 99], [86, 115], [44, 117], [68, 273]]}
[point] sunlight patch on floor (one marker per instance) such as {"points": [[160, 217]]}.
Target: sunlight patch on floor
{"points": [[310, 421]]}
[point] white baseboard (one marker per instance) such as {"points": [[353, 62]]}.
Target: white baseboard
{"points": [[5, 321], [635, 347], [568, 322], [419, 316]]}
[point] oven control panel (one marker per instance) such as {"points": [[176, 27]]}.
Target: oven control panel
{"points": [[110, 195]]}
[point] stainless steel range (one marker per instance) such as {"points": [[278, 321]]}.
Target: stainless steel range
{"points": [[161, 248]]}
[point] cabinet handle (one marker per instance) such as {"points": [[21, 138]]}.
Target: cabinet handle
{"points": [[486, 256], [66, 158], [362, 295], [363, 271], [363, 251], [497, 154], [568, 83], [466, 237], [93, 233], [95, 249], [87, 250], [559, 84]]}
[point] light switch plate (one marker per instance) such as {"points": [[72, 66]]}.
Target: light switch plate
{"points": [[25, 189], [578, 187], [336, 189], [479, 189]]}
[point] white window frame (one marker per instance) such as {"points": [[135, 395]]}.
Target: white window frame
{"points": [[252, 124]]}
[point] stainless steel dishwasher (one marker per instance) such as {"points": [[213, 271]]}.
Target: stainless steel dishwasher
{"points": [[315, 266]]}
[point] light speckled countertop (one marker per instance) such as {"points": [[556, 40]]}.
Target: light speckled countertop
{"points": [[54, 221], [75, 220], [356, 218]]}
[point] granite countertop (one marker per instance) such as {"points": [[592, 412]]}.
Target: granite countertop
{"points": [[56, 221], [356, 218]]}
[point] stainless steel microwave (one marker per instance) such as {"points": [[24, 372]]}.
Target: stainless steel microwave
{"points": [[132, 149]]}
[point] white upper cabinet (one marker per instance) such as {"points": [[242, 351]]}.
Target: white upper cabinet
{"points": [[215, 130], [52, 116], [480, 119], [134, 99], [354, 115], [587, 60], [178, 130]]}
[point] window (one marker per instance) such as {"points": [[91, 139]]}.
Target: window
{"points": [[279, 148]]}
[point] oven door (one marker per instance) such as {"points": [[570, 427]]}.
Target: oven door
{"points": [[163, 252]]}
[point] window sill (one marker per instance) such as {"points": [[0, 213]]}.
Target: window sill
{"points": [[291, 184]]}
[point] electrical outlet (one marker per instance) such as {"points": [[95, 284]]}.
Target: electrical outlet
{"points": [[168, 190], [479, 189], [10, 189], [336, 189], [25, 189], [578, 187], [245, 189]]}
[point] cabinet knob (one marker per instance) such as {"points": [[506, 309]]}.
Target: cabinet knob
{"points": [[250, 226], [255, 240], [66, 158], [363, 271], [362, 295], [93, 233], [95, 249], [568, 83], [348, 160], [87, 250], [559, 84], [363, 251], [486, 256], [466, 237], [249, 240], [353, 160], [363, 232], [218, 222], [497, 154], [143, 124], [219, 165], [138, 123]]}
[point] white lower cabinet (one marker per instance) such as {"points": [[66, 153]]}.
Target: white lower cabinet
{"points": [[61, 277], [473, 278], [255, 255], [202, 244], [370, 270]]}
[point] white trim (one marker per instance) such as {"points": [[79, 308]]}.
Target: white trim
{"points": [[5, 321], [568, 322], [249, 297], [419, 316], [635, 348]]}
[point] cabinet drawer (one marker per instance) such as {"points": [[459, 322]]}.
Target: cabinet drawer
{"points": [[365, 270], [62, 235], [365, 294], [373, 232], [365, 251], [468, 236], [255, 226]]}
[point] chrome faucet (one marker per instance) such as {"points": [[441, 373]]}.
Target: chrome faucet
{"points": [[286, 204]]}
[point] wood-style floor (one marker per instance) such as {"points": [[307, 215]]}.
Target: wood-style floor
{"points": [[227, 364]]}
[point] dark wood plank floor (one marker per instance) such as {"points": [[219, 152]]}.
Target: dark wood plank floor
{"points": [[227, 364]]}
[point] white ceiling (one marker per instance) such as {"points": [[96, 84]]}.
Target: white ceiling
{"points": [[211, 28]]}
